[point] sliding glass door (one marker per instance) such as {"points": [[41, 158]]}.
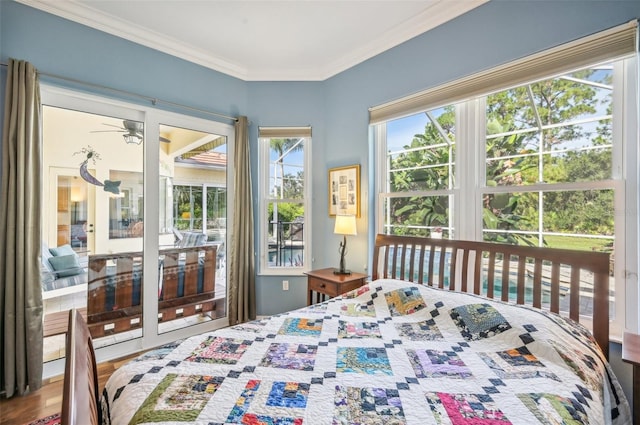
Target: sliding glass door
{"points": [[93, 216], [113, 245], [192, 233]]}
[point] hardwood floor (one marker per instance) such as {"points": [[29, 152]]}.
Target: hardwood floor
{"points": [[48, 399]]}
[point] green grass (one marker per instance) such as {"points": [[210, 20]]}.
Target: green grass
{"points": [[581, 244]]}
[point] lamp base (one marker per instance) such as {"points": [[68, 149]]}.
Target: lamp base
{"points": [[338, 271]]}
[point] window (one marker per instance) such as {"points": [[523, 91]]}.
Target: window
{"points": [[543, 162], [557, 133], [284, 200], [126, 208], [420, 175], [189, 205]]}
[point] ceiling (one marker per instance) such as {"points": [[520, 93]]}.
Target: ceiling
{"points": [[264, 40]]}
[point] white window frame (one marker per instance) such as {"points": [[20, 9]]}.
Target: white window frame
{"points": [[470, 156], [264, 199]]}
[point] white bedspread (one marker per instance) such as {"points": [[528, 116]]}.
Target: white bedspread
{"points": [[388, 353]]}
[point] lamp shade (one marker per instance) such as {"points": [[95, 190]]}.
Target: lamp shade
{"points": [[345, 225]]}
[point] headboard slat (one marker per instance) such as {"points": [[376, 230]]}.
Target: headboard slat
{"points": [[477, 272], [537, 283], [574, 293], [442, 267], [452, 270], [491, 274], [465, 270], [521, 278], [555, 287], [421, 265], [506, 260]]}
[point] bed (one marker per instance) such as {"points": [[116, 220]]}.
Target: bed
{"points": [[446, 332]]}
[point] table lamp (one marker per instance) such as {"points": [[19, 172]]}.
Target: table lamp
{"points": [[345, 225]]}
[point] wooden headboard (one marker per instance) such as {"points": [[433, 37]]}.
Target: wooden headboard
{"points": [[80, 396], [497, 270]]}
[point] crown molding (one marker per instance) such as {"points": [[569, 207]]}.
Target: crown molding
{"points": [[438, 13], [83, 14]]}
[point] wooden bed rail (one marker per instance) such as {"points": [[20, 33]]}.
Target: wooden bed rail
{"points": [[540, 277], [186, 287]]}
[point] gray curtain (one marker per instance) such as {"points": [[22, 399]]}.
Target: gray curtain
{"points": [[21, 294], [242, 287]]}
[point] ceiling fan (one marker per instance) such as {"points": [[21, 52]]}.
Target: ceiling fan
{"points": [[133, 132]]}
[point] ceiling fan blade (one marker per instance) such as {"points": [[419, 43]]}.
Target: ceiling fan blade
{"points": [[108, 131], [164, 140], [113, 125]]}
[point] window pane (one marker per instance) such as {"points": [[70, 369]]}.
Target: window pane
{"points": [[423, 161], [580, 212], [510, 217], [193, 255], [92, 169], [216, 213], [557, 130], [126, 209], [285, 234], [286, 168], [417, 215], [420, 158], [188, 206]]}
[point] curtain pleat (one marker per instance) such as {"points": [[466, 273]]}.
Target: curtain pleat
{"points": [[21, 293], [242, 288]]}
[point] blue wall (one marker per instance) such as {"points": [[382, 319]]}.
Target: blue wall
{"points": [[57, 46]]}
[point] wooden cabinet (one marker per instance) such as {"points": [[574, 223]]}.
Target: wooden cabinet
{"points": [[324, 282]]}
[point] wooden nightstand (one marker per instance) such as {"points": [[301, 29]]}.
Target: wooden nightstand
{"points": [[325, 282], [631, 354]]}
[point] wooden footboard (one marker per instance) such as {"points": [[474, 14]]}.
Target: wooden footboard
{"points": [[186, 287], [545, 278], [81, 392]]}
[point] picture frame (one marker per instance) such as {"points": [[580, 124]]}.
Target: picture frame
{"points": [[344, 190]]}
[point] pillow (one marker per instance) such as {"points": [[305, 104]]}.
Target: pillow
{"points": [[46, 254], [66, 265], [62, 250], [191, 239]]}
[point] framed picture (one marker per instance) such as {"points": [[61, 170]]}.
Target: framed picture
{"points": [[344, 190]]}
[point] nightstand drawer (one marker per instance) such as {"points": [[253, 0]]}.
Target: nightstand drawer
{"points": [[322, 286], [325, 283]]}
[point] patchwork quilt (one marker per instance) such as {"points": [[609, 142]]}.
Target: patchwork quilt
{"points": [[390, 352]]}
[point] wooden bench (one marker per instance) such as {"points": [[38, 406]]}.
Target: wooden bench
{"points": [[186, 287]]}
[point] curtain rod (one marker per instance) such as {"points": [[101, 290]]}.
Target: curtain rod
{"points": [[152, 100]]}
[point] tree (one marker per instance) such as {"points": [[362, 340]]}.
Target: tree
{"points": [[519, 154], [424, 166], [287, 186], [553, 153]]}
